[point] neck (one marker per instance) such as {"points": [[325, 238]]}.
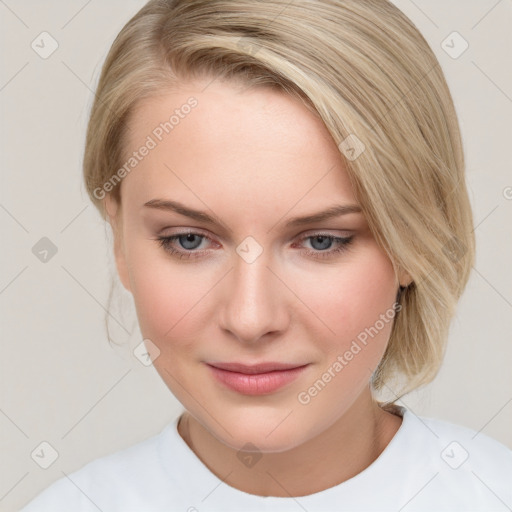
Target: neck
{"points": [[339, 453]]}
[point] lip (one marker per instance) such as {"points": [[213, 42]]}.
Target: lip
{"points": [[255, 368], [256, 379]]}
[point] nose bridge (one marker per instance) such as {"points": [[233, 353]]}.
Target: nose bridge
{"points": [[253, 301]]}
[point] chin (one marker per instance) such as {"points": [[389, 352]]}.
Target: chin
{"points": [[259, 434]]}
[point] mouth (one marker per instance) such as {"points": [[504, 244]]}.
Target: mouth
{"points": [[258, 379]]}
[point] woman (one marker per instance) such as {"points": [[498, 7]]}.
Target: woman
{"points": [[285, 184]]}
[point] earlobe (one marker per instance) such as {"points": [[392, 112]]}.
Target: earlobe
{"points": [[404, 279], [113, 214]]}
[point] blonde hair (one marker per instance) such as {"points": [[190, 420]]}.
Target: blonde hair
{"points": [[368, 73]]}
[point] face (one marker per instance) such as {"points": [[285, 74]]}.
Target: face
{"points": [[247, 284]]}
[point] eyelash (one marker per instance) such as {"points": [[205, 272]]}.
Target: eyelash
{"points": [[165, 242]]}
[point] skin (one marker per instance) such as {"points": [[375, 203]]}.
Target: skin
{"points": [[255, 158]]}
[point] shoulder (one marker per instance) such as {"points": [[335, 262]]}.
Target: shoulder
{"points": [[466, 467], [461, 445], [120, 481]]}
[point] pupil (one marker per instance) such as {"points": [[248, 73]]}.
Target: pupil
{"points": [[187, 241], [323, 241]]}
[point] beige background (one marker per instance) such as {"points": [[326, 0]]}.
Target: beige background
{"points": [[61, 382]]}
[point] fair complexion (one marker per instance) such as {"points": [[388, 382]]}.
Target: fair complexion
{"points": [[253, 159]]}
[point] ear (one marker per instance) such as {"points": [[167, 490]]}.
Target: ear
{"points": [[404, 278], [114, 218]]}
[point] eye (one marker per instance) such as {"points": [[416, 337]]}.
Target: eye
{"points": [[185, 245], [189, 241], [322, 243]]}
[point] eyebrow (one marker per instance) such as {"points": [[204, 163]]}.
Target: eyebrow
{"points": [[175, 206]]}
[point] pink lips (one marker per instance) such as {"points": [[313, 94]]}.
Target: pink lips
{"points": [[256, 379]]}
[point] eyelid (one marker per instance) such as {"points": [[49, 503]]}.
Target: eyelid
{"points": [[327, 232], [181, 230], [305, 234]]}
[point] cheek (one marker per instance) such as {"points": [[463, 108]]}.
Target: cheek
{"points": [[164, 295], [357, 306], [354, 302]]}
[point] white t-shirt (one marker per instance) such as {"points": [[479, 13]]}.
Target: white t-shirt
{"points": [[429, 465]]}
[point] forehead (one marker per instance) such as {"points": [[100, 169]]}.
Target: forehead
{"points": [[225, 110], [250, 142]]}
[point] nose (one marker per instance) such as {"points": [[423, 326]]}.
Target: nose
{"points": [[254, 304]]}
